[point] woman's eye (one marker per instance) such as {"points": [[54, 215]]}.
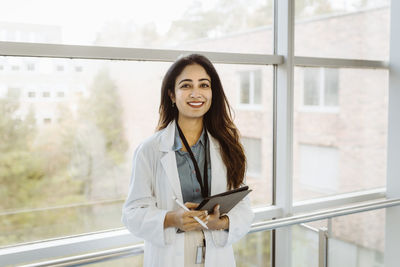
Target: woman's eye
{"points": [[205, 85], [185, 85]]}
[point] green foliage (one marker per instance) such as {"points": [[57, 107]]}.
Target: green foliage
{"points": [[19, 168], [102, 108], [37, 164], [223, 18], [253, 250]]}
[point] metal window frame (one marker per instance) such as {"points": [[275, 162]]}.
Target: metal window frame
{"points": [[392, 229], [19, 49]]}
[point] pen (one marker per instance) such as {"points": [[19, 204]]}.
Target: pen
{"points": [[185, 208]]}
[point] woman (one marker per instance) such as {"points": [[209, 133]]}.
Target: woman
{"points": [[195, 153]]}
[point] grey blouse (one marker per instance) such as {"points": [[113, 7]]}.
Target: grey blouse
{"points": [[191, 190]]}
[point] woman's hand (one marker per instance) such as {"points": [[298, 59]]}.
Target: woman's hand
{"points": [[216, 222], [184, 219]]}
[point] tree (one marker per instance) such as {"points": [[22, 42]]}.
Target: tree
{"points": [[103, 109], [98, 147], [19, 170], [223, 18]]}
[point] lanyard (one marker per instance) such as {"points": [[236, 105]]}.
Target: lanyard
{"points": [[203, 186]]}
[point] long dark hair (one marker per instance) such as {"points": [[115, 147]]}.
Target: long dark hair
{"points": [[218, 119]]}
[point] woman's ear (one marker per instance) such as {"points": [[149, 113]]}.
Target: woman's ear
{"points": [[171, 96]]}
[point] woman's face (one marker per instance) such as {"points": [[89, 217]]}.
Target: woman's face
{"points": [[193, 92]]}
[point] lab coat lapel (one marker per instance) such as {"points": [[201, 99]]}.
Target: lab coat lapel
{"points": [[168, 160]]}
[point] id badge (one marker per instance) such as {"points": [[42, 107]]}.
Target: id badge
{"points": [[200, 254]]}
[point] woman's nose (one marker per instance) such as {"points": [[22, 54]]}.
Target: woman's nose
{"points": [[195, 92]]}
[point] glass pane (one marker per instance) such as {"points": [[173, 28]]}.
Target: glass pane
{"points": [[257, 87], [331, 87], [312, 86], [252, 147], [245, 88], [54, 221], [125, 261], [191, 25], [305, 243], [255, 123], [135, 261], [357, 240], [254, 250], [68, 159], [340, 149], [344, 29]]}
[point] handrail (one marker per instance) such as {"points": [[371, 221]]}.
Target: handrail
{"points": [[321, 215], [256, 227], [109, 254]]}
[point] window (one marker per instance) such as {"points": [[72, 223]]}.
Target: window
{"points": [[316, 22], [60, 68], [359, 131], [78, 68], [3, 34], [319, 170], [173, 29], [252, 148], [11, 36], [15, 67], [1, 67], [31, 94], [341, 148], [90, 122], [30, 66], [14, 92], [250, 87], [321, 87]]}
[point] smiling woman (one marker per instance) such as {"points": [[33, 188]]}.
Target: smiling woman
{"points": [[193, 111]]}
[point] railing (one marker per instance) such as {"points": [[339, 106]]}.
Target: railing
{"points": [[138, 249]]}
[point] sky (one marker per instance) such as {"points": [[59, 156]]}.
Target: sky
{"points": [[81, 19]]}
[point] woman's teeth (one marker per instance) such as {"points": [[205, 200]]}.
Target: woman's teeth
{"points": [[196, 104]]}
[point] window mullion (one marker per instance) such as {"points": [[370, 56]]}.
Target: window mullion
{"points": [[283, 131], [392, 230]]}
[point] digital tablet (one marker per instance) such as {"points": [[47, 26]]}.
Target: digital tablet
{"points": [[226, 200]]}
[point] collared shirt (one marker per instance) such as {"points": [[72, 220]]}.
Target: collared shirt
{"points": [[191, 190]]}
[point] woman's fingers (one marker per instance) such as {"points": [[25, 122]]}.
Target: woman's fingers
{"points": [[195, 213], [193, 226], [191, 220], [191, 205], [216, 211]]}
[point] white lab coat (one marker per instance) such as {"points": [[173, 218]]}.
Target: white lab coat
{"points": [[153, 185]]}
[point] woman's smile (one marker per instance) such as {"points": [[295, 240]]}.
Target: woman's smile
{"points": [[196, 104]]}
